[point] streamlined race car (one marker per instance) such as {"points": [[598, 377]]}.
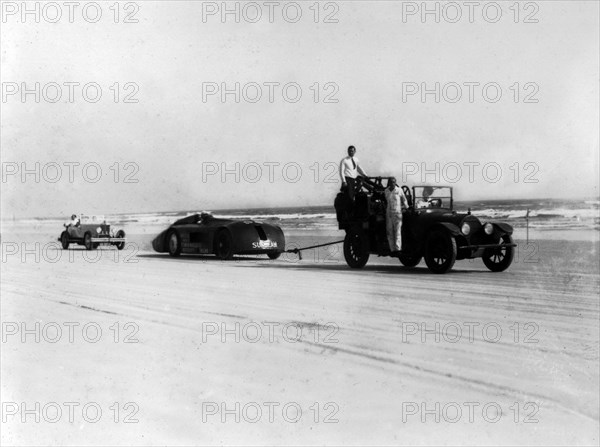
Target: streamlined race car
{"points": [[204, 234], [431, 228], [91, 232]]}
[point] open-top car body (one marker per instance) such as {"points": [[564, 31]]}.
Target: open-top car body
{"points": [[91, 232], [204, 234], [431, 229]]}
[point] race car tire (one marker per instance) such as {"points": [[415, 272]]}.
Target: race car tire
{"points": [[224, 245], [174, 243], [274, 254], [499, 259], [440, 251], [356, 248], [409, 261], [120, 245], [64, 240], [87, 241]]}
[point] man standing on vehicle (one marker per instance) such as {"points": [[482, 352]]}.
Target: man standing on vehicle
{"points": [[396, 203], [349, 171]]}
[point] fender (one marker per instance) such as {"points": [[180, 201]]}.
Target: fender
{"points": [[502, 228]]}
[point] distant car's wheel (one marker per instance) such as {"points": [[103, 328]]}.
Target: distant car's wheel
{"points": [[64, 240], [499, 259], [224, 245], [274, 254], [174, 242], [120, 245], [440, 251], [356, 248], [87, 241], [409, 261]]}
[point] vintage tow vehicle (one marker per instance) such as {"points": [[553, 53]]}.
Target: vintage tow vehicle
{"points": [[91, 232], [431, 228], [202, 233]]}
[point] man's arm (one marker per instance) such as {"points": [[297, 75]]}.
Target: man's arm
{"points": [[342, 172], [360, 170]]}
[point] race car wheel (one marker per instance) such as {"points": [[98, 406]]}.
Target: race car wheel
{"points": [[174, 242], [87, 241], [440, 251], [274, 254], [224, 245], [356, 248], [409, 261], [120, 245], [499, 259], [64, 240]]}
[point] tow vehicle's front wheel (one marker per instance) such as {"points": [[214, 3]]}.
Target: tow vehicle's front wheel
{"points": [[224, 245], [499, 259], [87, 241], [174, 243], [64, 240], [440, 251], [356, 248]]}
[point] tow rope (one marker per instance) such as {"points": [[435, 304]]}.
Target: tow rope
{"points": [[298, 251]]}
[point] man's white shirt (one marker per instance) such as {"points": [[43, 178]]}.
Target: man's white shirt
{"points": [[395, 200], [347, 169]]}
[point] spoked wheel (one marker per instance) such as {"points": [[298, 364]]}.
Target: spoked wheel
{"points": [[274, 254], [224, 245], [409, 261], [87, 241], [120, 245], [64, 240], [174, 243], [356, 248], [440, 251], [499, 259]]}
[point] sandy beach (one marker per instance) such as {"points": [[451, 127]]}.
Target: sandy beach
{"points": [[137, 348]]}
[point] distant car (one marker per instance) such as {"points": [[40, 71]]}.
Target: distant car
{"points": [[431, 228], [91, 232], [205, 234]]}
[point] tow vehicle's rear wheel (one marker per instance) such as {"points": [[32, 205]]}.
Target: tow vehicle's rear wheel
{"points": [[440, 251], [87, 241], [409, 261], [274, 254], [64, 240], [224, 245], [499, 259], [120, 245], [174, 243], [356, 248]]}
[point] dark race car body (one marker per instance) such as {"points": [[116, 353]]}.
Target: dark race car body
{"points": [[431, 229], [200, 234]]}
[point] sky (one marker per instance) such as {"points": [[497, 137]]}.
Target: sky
{"points": [[512, 109]]}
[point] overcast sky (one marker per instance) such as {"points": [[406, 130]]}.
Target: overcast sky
{"points": [[179, 141]]}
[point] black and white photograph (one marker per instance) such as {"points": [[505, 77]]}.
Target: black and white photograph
{"points": [[311, 222]]}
